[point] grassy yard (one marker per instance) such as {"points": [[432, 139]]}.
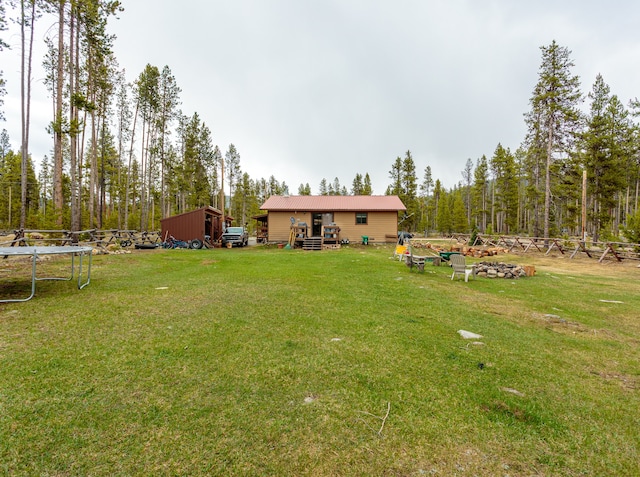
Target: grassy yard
{"points": [[262, 361]]}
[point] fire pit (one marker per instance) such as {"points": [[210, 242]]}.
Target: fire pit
{"points": [[504, 270]]}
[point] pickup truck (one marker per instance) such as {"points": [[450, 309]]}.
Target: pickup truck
{"points": [[235, 236]]}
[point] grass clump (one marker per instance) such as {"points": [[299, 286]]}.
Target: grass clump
{"points": [[276, 362]]}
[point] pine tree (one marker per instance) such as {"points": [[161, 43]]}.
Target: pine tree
{"points": [[480, 192], [459, 214], [366, 186], [10, 187], [467, 175], [554, 116], [405, 186], [426, 208], [5, 146], [232, 167], [323, 188], [304, 189], [213, 178], [633, 192], [506, 189], [124, 119], [336, 188], [607, 147], [357, 185], [148, 102], [169, 93], [409, 195], [244, 199], [395, 174], [443, 217], [3, 45]]}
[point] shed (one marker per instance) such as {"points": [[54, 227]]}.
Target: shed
{"points": [[204, 224], [354, 217]]}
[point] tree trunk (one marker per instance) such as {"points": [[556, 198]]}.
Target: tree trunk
{"points": [[547, 184], [141, 174], [102, 176], [25, 94], [94, 171], [73, 123], [57, 135], [128, 181], [222, 190]]}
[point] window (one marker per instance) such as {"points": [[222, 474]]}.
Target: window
{"points": [[361, 218]]}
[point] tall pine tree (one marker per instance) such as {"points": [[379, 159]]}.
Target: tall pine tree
{"points": [[554, 117]]}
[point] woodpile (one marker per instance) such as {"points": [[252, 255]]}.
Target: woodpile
{"points": [[476, 251], [480, 252]]}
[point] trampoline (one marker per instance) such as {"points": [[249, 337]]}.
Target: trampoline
{"points": [[39, 251]]}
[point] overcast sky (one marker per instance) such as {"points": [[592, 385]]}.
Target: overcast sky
{"points": [[312, 89]]}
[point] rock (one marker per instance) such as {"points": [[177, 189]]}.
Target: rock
{"points": [[502, 270], [513, 391], [468, 335]]}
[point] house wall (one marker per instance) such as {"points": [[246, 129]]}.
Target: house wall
{"points": [[380, 224], [279, 224]]}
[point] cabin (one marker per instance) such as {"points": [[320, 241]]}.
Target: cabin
{"points": [[204, 224], [332, 218]]}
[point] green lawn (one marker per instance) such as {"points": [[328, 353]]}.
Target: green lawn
{"points": [[261, 361]]}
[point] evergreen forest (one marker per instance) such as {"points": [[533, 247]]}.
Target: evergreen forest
{"points": [[125, 155]]}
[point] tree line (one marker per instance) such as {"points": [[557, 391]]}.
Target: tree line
{"points": [[575, 173], [125, 155]]}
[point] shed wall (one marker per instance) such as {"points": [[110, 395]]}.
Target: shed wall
{"points": [[187, 226], [194, 224]]}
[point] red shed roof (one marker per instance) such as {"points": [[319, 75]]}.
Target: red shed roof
{"points": [[325, 203]]}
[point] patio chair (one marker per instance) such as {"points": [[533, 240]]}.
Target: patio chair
{"points": [[460, 267]]}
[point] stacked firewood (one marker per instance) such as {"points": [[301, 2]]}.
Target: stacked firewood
{"points": [[477, 252]]}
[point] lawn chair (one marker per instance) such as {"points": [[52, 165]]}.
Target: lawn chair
{"points": [[460, 267]]}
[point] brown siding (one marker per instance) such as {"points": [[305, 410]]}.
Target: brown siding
{"points": [[191, 225], [280, 225], [380, 224], [185, 226]]}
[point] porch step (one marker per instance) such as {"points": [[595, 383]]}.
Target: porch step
{"points": [[312, 243]]}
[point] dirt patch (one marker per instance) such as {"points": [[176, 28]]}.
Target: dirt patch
{"points": [[624, 380], [564, 265]]}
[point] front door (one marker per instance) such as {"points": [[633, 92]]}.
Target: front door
{"points": [[318, 221]]}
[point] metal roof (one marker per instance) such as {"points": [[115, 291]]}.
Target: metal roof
{"points": [[326, 203]]}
